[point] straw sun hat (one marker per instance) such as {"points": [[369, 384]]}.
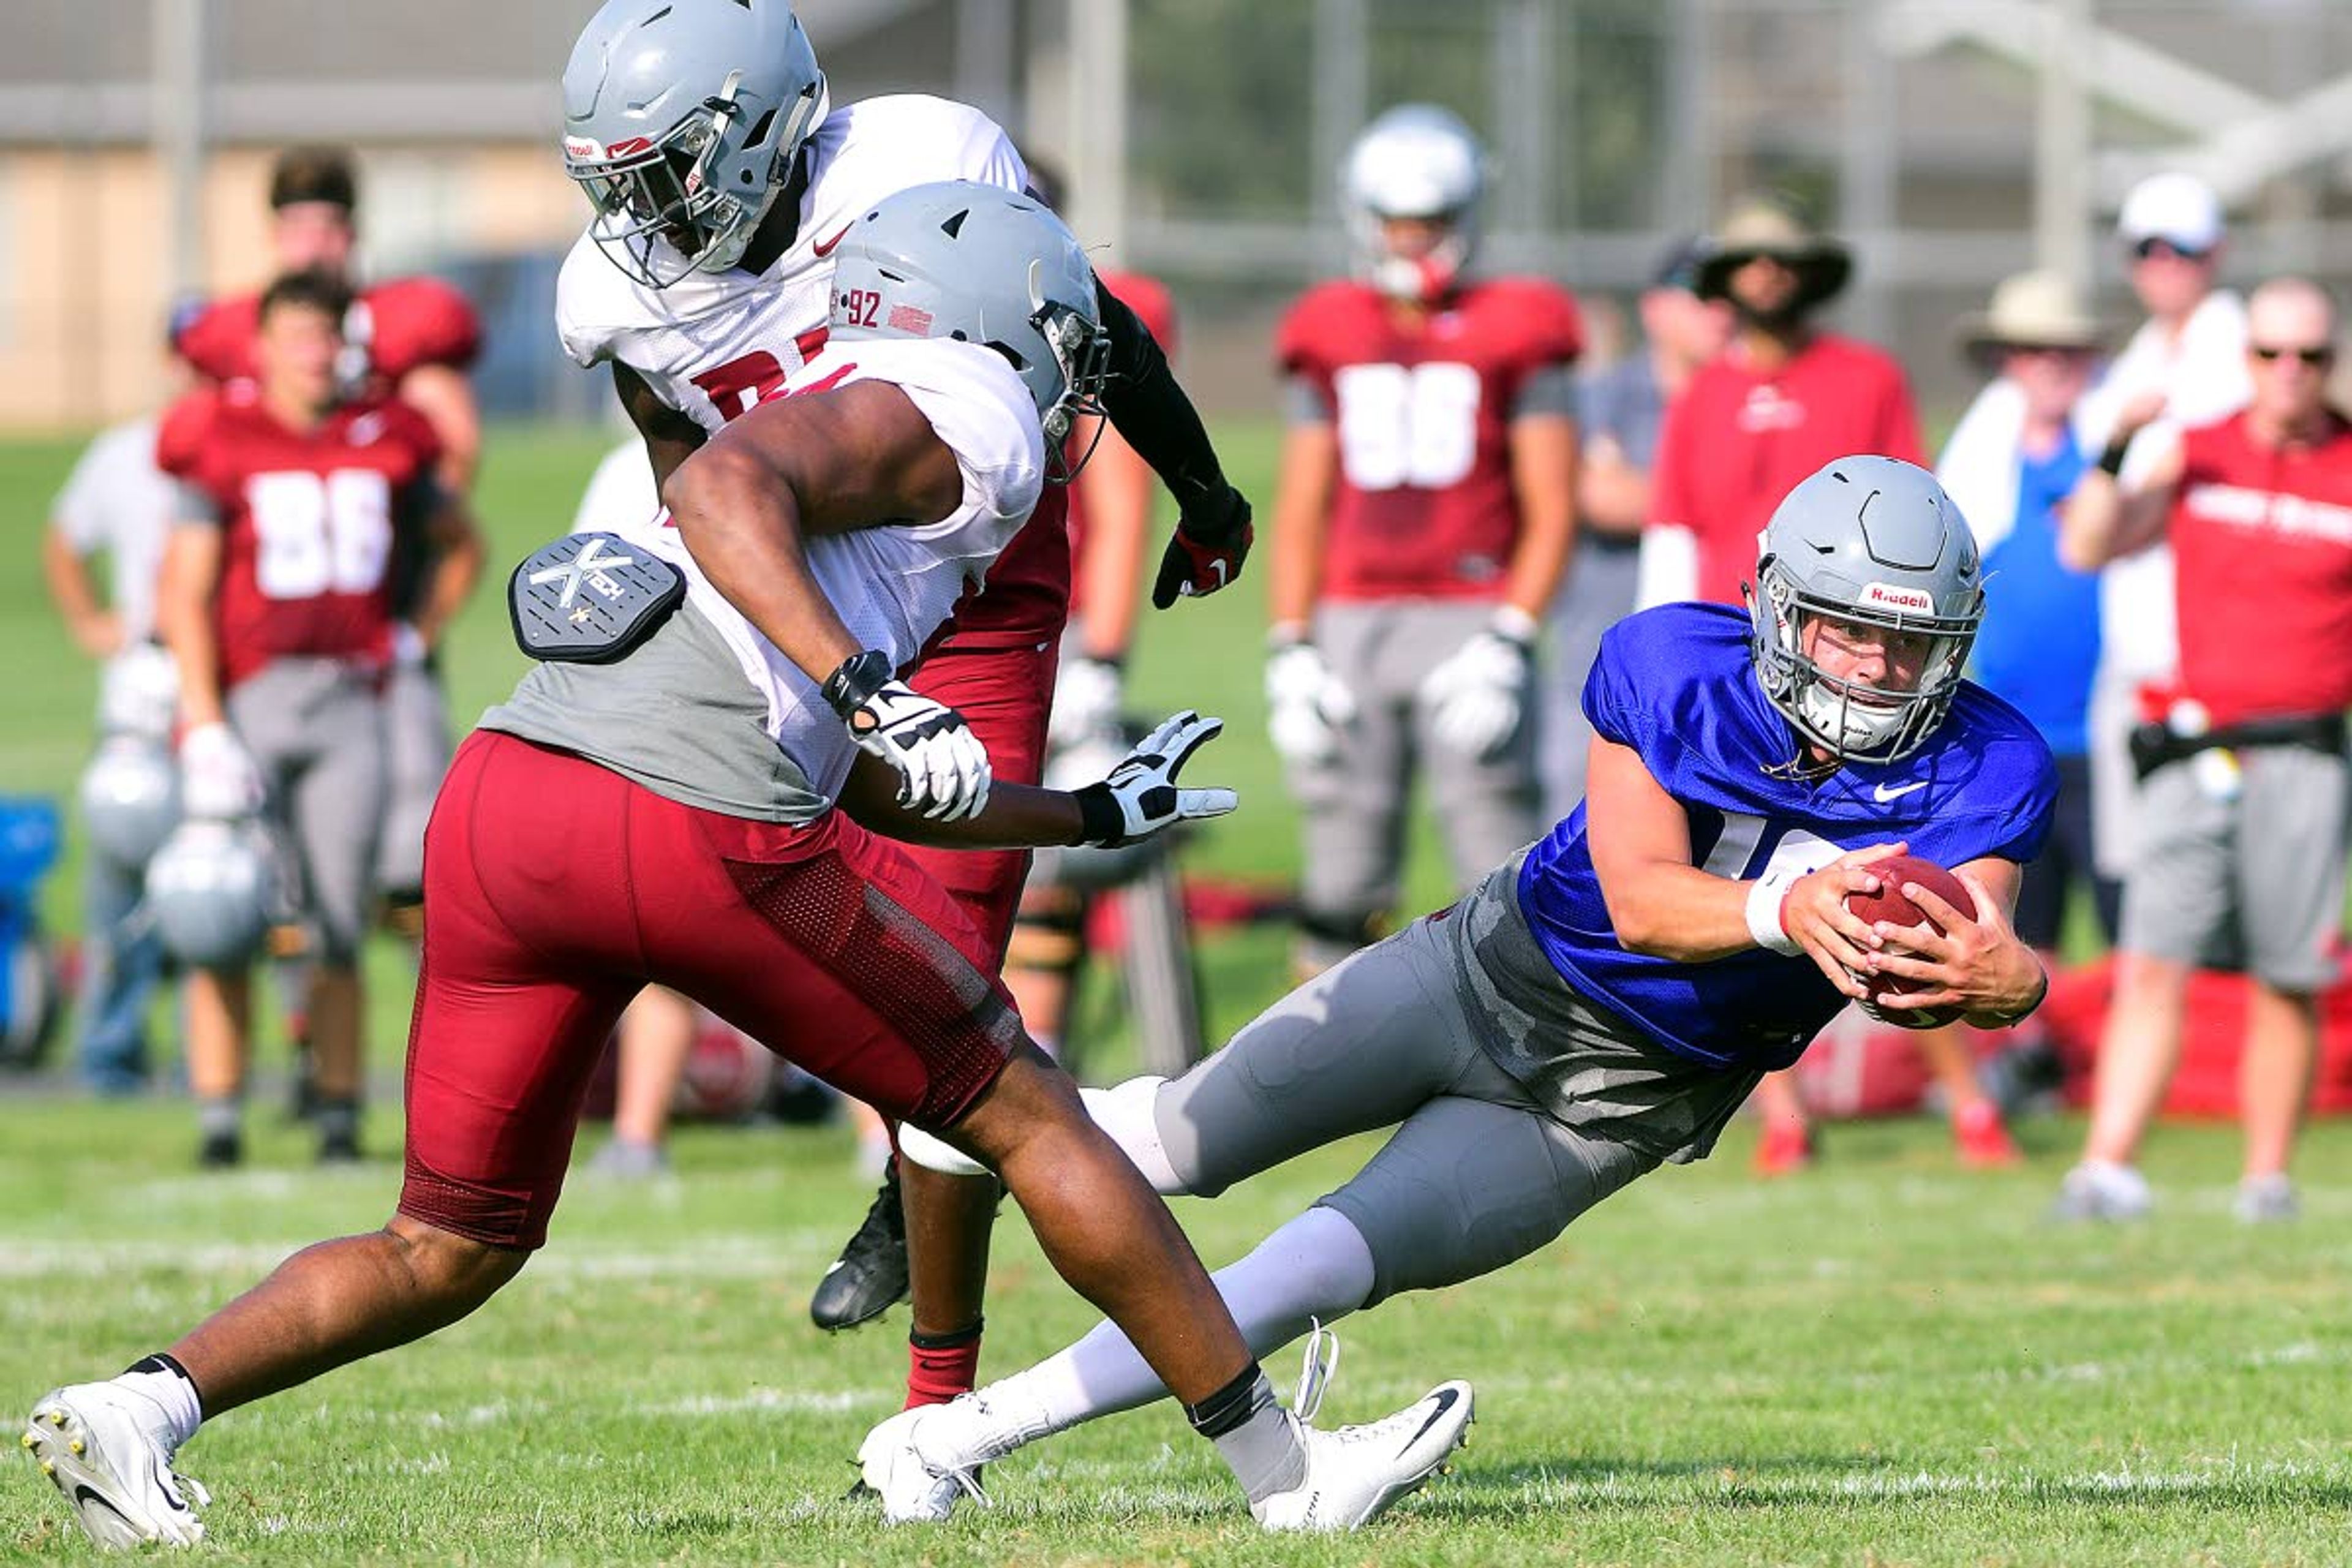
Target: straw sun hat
{"points": [[2031, 309]]}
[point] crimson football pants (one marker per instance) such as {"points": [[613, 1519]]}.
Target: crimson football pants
{"points": [[556, 888]]}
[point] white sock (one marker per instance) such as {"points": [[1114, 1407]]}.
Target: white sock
{"points": [[1130, 1113], [161, 1382], [1317, 1267]]}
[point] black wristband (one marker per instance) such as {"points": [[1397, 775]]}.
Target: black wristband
{"points": [[1100, 821], [2111, 461], [861, 675]]}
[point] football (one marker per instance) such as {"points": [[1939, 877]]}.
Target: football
{"points": [[1887, 991]]}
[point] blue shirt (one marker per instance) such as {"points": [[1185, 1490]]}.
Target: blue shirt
{"points": [[2039, 647], [1677, 685]]}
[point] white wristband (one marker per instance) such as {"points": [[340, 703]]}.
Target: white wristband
{"points": [[1765, 897]]}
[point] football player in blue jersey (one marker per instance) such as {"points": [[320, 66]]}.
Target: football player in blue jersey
{"points": [[1604, 1001]]}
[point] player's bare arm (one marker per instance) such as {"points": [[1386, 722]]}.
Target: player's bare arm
{"points": [[455, 546], [824, 463], [1663, 905], [1303, 488], [1979, 964], [671, 436], [1543, 483], [2103, 519], [444, 394], [184, 600]]}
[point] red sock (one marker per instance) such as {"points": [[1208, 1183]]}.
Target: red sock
{"points": [[941, 1366]]}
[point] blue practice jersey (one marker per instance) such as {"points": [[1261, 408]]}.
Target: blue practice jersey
{"points": [[1678, 686]]}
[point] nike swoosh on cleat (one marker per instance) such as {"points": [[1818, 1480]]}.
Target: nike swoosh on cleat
{"points": [[825, 247], [84, 1493], [1446, 1399]]}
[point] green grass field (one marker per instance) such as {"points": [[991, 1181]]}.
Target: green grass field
{"points": [[1885, 1362]]}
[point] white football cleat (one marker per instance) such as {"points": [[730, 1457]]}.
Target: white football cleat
{"points": [[1355, 1472], [914, 1488], [108, 1450]]}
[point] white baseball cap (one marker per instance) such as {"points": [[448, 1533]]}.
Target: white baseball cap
{"points": [[2179, 208]]}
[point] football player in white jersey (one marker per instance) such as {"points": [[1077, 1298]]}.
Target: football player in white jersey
{"points": [[715, 686], [722, 178]]}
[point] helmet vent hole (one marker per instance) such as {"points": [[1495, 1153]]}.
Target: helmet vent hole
{"points": [[894, 277], [959, 336], [953, 227], [655, 17], [760, 130], [1010, 352]]}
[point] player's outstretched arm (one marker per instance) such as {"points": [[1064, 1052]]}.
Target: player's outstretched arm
{"points": [[1662, 905], [1138, 798]]}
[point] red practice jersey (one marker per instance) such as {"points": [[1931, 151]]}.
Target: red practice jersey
{"points": [[1737, 440], [398, 326], [1423, 505], [2261, 554], [310, 520], [1148, 298]]}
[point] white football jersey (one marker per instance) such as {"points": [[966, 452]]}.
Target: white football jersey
{"points": [[892, 587], [713, 344]]}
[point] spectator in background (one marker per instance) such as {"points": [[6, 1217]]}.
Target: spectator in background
{"points": [[1424, 508], [2184, 366], [416, 339], [2012, 461], [276, 599], [2245, 795], [1781, 400], [1784, 398], [1618, 410], [118, 502]]}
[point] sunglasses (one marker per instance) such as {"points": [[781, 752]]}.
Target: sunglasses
{"points": [[2152, 247], [2315, 355]]}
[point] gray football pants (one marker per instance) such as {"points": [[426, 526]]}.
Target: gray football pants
{"points": [[1354, 804], [1476, 1176], [316, 728]]}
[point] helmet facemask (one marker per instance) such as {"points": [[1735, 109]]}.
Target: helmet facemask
{"points": [[1082, 349], [1853, 722], [669, 193]]}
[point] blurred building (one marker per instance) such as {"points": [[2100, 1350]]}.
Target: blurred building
{"points": [[1952, 140]]}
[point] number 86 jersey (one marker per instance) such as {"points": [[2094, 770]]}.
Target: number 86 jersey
{"points": [[310, 520], [1422, 405]]}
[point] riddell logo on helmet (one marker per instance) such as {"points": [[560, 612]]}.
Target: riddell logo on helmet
{"points": [[1885, 596]]}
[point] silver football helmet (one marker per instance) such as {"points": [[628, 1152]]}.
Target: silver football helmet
{"points": [[211, 889], [1417, 160], [681, 120], [1873, 542], [978, 264], [130, 797]]}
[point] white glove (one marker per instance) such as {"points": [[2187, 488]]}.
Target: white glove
{"points": [[1476, 696], [941, 765], [1088, 696], [139, 692], [1141, 797], [218, 779], [1306, 705]]}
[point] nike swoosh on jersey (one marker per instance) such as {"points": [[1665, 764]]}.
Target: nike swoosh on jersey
{"points": [[825, 247], [1883, 795], [1445, 1398]]}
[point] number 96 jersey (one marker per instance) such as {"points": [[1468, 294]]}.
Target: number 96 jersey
{"points": [[311, 521], [1422, 505]]}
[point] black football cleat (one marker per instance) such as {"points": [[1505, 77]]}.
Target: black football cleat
{"points": [[869, 1278]]}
